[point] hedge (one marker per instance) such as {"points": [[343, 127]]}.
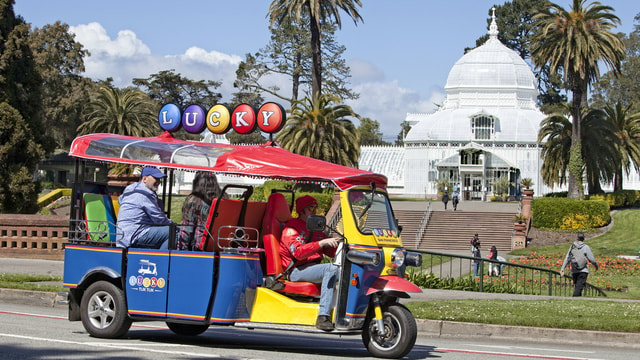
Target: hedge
{"points": [[324, 198], [619, 199], [569, 214]]}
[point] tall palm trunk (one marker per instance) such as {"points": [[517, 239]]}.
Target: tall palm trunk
{"points": [[316, 57], [576, 162]]}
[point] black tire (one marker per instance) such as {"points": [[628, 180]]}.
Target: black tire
{"points": [[103, 311], [187, 329], [400, 333]]}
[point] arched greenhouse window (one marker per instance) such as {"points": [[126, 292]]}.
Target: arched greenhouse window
{"points": [[483, 127]]}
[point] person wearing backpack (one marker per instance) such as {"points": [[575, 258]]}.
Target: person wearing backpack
{"points": [[579, 255]]}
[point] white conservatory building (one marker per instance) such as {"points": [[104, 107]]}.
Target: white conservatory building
{"points": [[487, 128]]}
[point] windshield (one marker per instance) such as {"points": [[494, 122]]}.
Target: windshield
{"points": [[371, 211]]}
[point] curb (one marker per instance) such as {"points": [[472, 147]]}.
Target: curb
{"points": [[28, 297], [451, 329], [434, 328]]}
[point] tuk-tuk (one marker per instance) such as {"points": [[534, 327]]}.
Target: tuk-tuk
{"points": [[236, 278]]}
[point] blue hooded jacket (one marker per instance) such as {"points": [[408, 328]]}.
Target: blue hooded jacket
{"points": [[140, 208]]}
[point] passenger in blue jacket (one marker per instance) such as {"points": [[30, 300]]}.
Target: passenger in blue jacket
{"points": [[141, 219]]}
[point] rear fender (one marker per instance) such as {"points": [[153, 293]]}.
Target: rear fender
{"points": [[393, 284]]}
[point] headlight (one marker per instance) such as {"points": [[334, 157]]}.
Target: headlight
{"points": [[397, 258], [414, 259], [363, 257]]}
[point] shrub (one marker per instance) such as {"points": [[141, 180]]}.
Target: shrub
{"points": [[569, 214], [619, 199]]}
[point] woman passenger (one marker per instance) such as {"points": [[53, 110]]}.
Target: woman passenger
{"points": [[195, 210]]}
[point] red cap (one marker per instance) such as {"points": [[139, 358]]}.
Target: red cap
{"points": [[303, 202]]}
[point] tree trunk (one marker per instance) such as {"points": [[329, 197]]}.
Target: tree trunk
{"points": [[617, 180], [296, 78], [316, 71], [576, 163]]}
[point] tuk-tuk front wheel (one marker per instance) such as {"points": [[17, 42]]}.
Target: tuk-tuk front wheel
{"points": [[187, 329], [103, 311], [399, 336]]}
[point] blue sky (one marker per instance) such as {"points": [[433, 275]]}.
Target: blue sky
{"points": [[400, 56]]}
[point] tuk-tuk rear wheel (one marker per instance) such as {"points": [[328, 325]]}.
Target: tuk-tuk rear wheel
{"points": [[187, 329], [103, 311], [399, 336]]}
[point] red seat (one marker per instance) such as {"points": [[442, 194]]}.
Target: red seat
{"points": [[276, 215]]}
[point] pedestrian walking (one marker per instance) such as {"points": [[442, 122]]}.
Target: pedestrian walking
{"points": [[579, 256], [445, 199]]}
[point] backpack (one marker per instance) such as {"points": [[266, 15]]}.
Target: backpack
{"points": [[578, 261]]}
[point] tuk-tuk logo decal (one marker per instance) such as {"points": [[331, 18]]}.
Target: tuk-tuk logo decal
{"points": [[386, 236], [150, 283]]}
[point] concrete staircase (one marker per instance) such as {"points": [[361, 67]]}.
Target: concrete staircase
{"points": [[410, 221], [449, 231]]}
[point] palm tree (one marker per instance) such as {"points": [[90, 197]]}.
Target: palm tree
{"points": [[574, 42], [319, 129], [318, 11], [626, 127], [120, 111], [598, 147]]}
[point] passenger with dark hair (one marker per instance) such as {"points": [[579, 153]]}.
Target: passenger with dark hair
{"points": [[195, 210]]}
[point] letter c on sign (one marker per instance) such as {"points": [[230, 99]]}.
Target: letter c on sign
{"points": [[219, 119]]}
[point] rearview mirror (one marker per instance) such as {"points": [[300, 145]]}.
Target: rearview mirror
{"points": [[316, 223]]}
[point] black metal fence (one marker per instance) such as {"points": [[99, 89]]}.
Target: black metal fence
{"points": [[460, 272]]}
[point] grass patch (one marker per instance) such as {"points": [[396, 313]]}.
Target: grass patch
{"points": [[559, 314], [30, 282]]}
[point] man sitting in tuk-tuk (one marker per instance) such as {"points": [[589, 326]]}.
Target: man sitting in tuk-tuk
{"points": [[141, 219], [307, 250]]}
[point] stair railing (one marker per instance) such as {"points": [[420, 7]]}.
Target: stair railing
{"points": [[456, 272], [423, 224]]}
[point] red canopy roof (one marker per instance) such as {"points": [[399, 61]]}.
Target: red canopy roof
{"points": [[268, 161]]}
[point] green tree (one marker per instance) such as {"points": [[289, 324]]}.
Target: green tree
{"points": [[288, 53], [370, 133], [126, 111], [318, 12], [19, 155], [167, 87], [406, 126], [626, 127], [623, 88], [23, 139], [598, 148], [320, 129], [60, 61], [574, 42]]}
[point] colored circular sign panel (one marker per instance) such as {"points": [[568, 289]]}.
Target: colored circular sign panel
{"points": [[271, 117], [219, 119], [169, 117], [243, 119], [193, 119]]}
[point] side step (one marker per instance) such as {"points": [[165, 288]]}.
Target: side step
{"points": [[292, 327]]}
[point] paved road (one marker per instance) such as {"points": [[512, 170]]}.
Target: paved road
{"points": [[441, 329]]}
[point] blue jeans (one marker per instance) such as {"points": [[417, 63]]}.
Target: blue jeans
{"points": [[476, 266], [157, 237], [324, 274]]}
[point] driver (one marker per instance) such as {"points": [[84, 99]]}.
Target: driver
{"points": [[307, 249]]}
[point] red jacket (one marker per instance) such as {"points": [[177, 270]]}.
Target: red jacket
{"points": [[296, 243]]}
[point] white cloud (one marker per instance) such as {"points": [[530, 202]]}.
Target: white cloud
{"points": [[388, 103], [364, 71], [127, 57], [94, 37]]}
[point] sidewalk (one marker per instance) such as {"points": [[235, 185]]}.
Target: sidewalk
{"points": [[425, 327]]}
